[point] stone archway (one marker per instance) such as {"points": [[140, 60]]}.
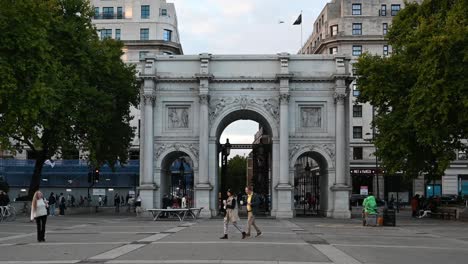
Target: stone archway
{"points": [[224, 118], [188, 100]]}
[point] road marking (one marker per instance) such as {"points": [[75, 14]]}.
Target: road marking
{"points": [[234, 242], [153, 238], [335, 255], [189, 261], [117, 252], [17, 236], [398, 246], [41, 262], [77, 243], [175, 229]]}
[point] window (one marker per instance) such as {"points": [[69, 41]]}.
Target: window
{"points": [[385, 49], [145, 11], [357, 131], [462, 155], [357, 50], [119, 12], [395, 9], [357, 29], [357, 153], [108, 12], [357, 110], [383, 10], [163, 12], [106, 33], [143, 54], [334, 50], [117, 34], [356, 9], [144, 33], [334, 30], [323, 20], [167, 35], [385, 28], [96, 12], [356, 91]]}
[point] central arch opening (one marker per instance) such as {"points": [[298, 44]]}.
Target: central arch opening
{"points": [[244, 145], [310, 184]]}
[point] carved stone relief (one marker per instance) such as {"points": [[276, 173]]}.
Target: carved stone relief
{"points": [[269, 104], [178, 117], [311, 117], [160, 148], [328, 148]]}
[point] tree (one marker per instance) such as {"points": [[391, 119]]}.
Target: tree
{"points": [[60, 86], [236, 173], [420, 93]]}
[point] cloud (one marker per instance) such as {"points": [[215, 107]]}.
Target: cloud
{"points": [[244, 26]]}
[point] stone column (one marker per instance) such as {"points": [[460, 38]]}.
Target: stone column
{"points": [[284, 140], [340, 188], [203, 141], [203, 186], [147, 186]]}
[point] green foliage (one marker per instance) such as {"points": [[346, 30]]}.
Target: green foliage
{"points": [[420, 92], [60, 86], [236, 173]]}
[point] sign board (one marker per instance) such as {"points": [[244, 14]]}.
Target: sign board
{"points": [[364, 190], [99, 191]]}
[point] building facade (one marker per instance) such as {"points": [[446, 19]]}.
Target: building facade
{"points": [[300, 101], [351, 28], [145, 27]]}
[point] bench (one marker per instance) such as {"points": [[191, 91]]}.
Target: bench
{"points": [[445, 213], [180, 213]]}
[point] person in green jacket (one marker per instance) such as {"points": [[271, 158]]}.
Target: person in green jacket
{"points": [[369, 205]]}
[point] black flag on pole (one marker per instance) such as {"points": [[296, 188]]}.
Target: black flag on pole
{"points": [[298, 20]]}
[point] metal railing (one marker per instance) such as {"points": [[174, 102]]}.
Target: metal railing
{"points": [[109, 16]]}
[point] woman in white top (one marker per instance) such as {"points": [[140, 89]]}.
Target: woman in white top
{"points": [[39, 213]]}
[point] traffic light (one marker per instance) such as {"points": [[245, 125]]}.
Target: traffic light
{"points": [[96, 175]]}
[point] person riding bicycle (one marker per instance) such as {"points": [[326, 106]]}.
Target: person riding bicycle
{"points": [[4, 199]]}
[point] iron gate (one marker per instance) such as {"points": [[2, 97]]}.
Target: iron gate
{"points": [[261, 176], [306, 188]]}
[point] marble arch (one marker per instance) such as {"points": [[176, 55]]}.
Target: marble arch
{"points": [[188, 100]]}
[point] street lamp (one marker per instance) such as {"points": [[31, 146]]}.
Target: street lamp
{"points": [[376, 173], [306, 176], [182, 173], [225, 151]]}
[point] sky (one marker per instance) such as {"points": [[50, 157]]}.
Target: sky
{"points": [[244, 27]]}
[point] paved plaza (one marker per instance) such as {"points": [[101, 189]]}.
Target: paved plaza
{"points": [[127, 239]]}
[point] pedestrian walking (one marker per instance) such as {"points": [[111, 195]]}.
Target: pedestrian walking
{"points": [[117, 202], [52, 203], [231, 215], [253, 202], [39, 213], [62, 204], [415, 206]]}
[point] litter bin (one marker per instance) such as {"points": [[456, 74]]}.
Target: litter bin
{"points": [[389, 217]]}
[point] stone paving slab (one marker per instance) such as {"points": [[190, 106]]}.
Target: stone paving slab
{"points": [[227, 250]]}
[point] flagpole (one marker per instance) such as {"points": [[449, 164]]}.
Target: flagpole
{"points": [[301, 31]]}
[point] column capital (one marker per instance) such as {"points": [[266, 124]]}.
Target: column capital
{"points": [[204, 99], [284, 98], [339, 97], [149, 98]]}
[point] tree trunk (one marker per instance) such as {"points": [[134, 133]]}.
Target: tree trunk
{"points": [[36, 177]]}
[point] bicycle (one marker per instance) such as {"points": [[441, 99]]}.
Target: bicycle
{"points": [[8, 213]]}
